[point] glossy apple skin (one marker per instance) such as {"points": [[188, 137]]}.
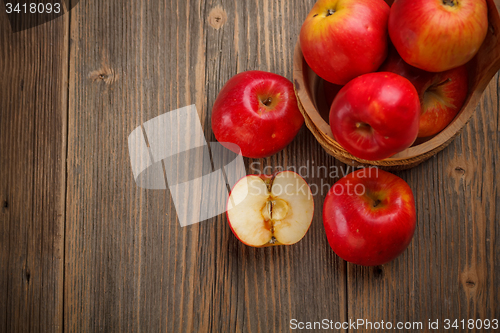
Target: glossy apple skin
{"points": [[350, 42], [376, 115], [240, 116], [442, 94], [363, 234], [435, 36]]}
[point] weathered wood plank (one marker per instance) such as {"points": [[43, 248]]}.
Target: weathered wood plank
{"points": [[449, 270], [129, 265], [33, 109]]}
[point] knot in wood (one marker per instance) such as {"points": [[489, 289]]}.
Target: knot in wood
{"points": [[217, 17], [105, 74]]}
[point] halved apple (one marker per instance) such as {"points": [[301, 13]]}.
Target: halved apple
{"points": [[270, 210]]}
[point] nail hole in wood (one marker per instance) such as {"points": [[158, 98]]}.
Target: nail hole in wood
{"points": [[5, 204], [28, 275], [460, 170], [470, 283], [378, 272]]}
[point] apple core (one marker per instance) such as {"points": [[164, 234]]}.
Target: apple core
{"points": [[275, 209], [265, 210]]}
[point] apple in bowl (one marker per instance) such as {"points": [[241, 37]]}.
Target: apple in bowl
{"points": [[267, 210], [438, 35], [369, 217], [442, 94], [376, 115], [341, 39], [258, 112]]}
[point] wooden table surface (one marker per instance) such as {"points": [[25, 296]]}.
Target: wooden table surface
{"points": [[83, 248]]}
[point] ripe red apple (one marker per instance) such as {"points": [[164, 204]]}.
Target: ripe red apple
{"points": [[437, 35], [258, 112], [369, 217], [376, 115], [270, 210], [442, 94], [341, 39]]}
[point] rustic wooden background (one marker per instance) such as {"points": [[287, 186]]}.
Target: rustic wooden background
{"points": [[82, 248]]}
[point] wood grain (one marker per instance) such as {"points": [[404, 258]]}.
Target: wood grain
{"points": [[33, 106], [129, 265]]}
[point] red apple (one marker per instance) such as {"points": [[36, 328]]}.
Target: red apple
{"points": [[369, 217], [437, 35], [442, 94], [341, 39], [270, 210], [258, 112], [376, 115]]}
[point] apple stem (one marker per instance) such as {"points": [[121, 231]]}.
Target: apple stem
{"points": [[364, 127], [434, 87], [330, 12], [376, 203], [450, 3], [267, 101], [442, 83]]}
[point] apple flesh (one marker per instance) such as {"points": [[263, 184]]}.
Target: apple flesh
{"points": [[258, 112], [438, 35], [341, 39], [442, 95], [369, 217], [376, 115], [270, 210]]}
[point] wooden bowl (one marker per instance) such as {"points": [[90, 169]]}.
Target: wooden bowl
{"points": [[313, 105]]}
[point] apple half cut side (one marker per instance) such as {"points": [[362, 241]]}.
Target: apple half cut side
{"points": [[270, 210]]}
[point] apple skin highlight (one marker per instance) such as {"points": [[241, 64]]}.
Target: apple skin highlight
{"points": [[438, 35], [376, 115], [341, 39], [371, 228], [258, 112]]}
